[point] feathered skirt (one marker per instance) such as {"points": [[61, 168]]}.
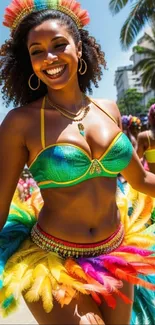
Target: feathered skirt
{"points": [[39, 267]]}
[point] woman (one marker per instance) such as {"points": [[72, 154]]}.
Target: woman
{"points": [[78, 252], [125, 123], [146, 141], [134, 127]]}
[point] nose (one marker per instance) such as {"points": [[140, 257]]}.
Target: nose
{"points": [[51, 58]]}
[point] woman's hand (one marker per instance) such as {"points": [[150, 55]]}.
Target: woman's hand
{"points": [[91, 318]]}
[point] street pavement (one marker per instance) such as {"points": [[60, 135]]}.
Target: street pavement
{"points": [[22, 316]]}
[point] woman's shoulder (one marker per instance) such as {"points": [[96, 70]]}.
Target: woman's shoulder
{"points": [[143, 135], [21, 114], [110, 107], [18, 120]]}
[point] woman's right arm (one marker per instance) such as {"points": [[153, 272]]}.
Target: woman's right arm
{"points": [[13, 157]]}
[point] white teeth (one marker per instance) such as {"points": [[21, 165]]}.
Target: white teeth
{"points": [[55, 71]]}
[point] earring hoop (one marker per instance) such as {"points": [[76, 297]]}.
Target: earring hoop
{"points": [[81, 66], [29, 83]]}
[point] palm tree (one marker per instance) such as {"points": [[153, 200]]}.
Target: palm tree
{"points": [[142, 12], [146, 63]]}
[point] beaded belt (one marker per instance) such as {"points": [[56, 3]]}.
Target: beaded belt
{"points": [[68, 249]]}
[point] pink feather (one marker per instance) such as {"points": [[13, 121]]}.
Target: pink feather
{"points": [[134, 250]]}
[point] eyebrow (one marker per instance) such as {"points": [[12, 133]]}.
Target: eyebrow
{"points": [[54, 39]]}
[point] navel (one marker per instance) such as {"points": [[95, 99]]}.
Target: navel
{"points": [[92, 230]]}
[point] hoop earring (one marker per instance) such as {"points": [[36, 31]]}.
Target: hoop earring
{"points": [[29, 83], [85, 66]]}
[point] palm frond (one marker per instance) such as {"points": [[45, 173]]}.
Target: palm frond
{"points": [[116, 5], [148, 76], [150, 38], [137, 19], [145, 50]]}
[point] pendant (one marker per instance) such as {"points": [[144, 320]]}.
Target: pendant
{"points": [[95, 167], [81, 129]]}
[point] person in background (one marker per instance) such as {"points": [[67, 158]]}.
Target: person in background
{"points": [[144, 122], [146, 141], [134, 128], [125, 123]]}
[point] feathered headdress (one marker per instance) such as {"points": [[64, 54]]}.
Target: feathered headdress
{"points": [[18, 9], [134, 121]]}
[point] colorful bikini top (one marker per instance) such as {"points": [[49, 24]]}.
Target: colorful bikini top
{"points": [[66, 164], [149, 153]]}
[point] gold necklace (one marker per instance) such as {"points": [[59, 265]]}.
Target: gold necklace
{"points": [[72, 116], [63, 109]]}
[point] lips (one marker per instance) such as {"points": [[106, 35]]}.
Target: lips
{"points": [[55, 72]]}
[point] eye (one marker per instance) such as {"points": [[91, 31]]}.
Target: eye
{"points": [[36, 52], [60, 45]]}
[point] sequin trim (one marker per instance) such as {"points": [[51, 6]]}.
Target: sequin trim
{"points": [[69, 249]]}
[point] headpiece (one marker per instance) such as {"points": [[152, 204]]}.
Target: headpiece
{"points": [[151, 113], [144, 119], [125, 120], [134, 121], [19, 9]]}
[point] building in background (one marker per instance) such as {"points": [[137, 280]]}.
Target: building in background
{"points": [[126, 78]]}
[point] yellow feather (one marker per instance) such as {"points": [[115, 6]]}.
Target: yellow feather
{"points": [[139, 240], [138, 209], [69, 281], [149, 230], [27, 280], [55, 265], [2, 295], [46, 295], [59, 272], [131, 194], [122, 205], [40, 270], [33, 294], [53, 281], [139, 225], [144, 215], [15, 281]]}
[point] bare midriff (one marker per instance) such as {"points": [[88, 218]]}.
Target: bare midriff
{"points": [[84, 213]]}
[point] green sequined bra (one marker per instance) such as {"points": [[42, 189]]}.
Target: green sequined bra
{"points": [[65, 164]]}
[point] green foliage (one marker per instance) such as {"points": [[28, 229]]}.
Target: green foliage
{"points": [[130, 103], [146, 64], [138, 49], [141, 12], [150, 102]]}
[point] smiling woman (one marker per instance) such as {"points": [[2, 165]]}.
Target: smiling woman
{"points": [[47, 49], [74, 245]]}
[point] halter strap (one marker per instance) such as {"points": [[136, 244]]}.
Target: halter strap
{"points": [[42, 124], [102, 109]]}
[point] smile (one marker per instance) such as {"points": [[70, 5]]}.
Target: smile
{"points": [[55, 72]]}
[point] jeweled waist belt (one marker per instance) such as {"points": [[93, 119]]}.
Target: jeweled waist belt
{"points": [[70, 249]]}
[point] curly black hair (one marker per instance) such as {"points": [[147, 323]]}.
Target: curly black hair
{"points": [[15, 64]]}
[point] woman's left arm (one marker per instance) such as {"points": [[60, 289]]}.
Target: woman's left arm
{"points": [[140, 179]]}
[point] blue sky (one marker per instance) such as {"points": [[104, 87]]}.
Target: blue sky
{"points": [[106, 29]]}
